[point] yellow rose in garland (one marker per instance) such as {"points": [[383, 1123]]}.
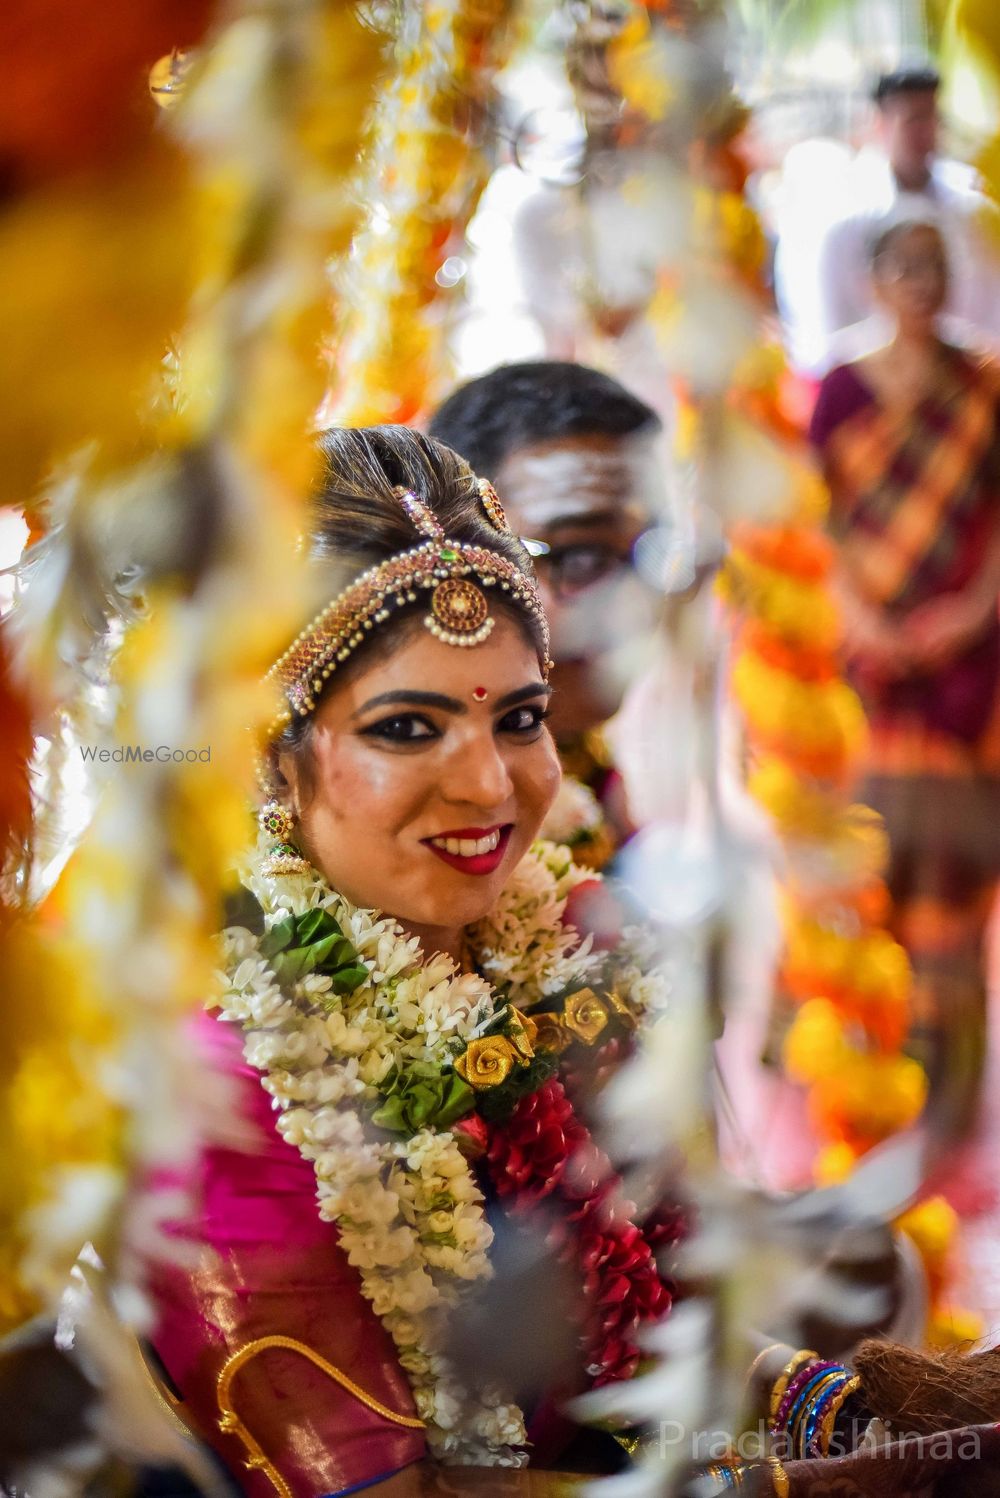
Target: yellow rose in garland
{"points": [[487, 1062], [585, 1015]]}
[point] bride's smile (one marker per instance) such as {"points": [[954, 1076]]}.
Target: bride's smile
{"points": [[473, 850]]}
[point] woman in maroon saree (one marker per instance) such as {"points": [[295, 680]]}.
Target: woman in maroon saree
{"points": [[910, 445]]}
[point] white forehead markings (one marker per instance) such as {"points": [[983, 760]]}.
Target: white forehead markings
{"points": [[565, 481]]}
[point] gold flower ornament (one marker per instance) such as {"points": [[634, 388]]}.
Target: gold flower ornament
{"points": [[487, 1062], [585, 1015]]}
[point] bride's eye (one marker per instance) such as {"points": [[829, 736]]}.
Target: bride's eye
{"points": [[401, 728], [523, 720]]}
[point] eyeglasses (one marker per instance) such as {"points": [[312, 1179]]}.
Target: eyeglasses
{"points": [[922, 267], [570, 570]]}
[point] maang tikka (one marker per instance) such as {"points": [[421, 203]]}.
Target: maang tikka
{"points": [[452, 578]]}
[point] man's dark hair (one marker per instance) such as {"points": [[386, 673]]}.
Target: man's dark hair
{"points": [[517, 405], [915, 78], [892, 228]]}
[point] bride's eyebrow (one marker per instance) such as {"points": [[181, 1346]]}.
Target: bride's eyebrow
{"points": [[405, 698], [522, 694]]}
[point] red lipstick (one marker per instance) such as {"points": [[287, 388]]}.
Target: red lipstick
{"points": [[485, 858]]}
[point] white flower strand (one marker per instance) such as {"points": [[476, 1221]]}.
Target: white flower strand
{"points": [[523, 945]]}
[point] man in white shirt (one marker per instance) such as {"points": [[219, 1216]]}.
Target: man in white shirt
{"points": [[825, 297]]}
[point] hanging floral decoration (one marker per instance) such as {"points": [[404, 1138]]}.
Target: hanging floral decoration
{"points": [[847, 977], [139, 625], [741, 421], [428, 169], [806, 729], [849, 981], [805, 726]]}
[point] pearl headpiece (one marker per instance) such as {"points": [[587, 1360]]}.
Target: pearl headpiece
{"points": [[453, 576]]}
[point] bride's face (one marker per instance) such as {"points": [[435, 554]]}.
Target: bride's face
{"points": [[428, 778]]}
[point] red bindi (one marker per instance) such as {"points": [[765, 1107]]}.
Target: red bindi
{"points": [[479, 694]]}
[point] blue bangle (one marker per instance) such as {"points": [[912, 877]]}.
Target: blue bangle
{"points": [[804, 1398], [815, 1417]]}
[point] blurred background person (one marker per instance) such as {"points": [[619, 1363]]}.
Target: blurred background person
{"points": [[822, 284], [908, 439]]}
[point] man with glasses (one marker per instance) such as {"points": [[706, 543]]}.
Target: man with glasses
{"points": [[574, 457]]}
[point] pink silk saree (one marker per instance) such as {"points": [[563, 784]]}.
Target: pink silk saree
{"points": [[268, 1265]]}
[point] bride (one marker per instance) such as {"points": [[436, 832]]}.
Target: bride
{"points": [[415, 1002], [399, 1009]]}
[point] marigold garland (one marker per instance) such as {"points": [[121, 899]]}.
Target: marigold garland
{"points": [[806, 729], [428, 173]]}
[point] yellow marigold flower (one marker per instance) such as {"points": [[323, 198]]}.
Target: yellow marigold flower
{"points": [[816, 1045], [635, 66], [932, 1225], [742, 238], [804, 715], [871, 1095], [487, 1062], [806, 809], [834, 1164], [795, 608], [585, 1015], [882, 966], [762, 367]]}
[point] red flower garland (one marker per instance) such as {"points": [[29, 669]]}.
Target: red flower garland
{"points": [[544, 1151]]}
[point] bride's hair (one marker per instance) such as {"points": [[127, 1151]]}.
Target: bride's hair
{"points": [[357, 522]]}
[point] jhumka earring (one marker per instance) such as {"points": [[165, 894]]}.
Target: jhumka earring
{"points": [[282, 857]]}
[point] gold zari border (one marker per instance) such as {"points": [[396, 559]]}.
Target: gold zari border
{"points": [[231, 1424]]}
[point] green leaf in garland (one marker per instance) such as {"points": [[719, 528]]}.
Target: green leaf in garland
{"points": [[278, 938], [347, 979], [423, 1098], [317, 924], [290, 966], [313, 943]]}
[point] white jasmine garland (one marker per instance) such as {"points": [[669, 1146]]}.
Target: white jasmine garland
{"points": [[523, 945], [408, 1211]]}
